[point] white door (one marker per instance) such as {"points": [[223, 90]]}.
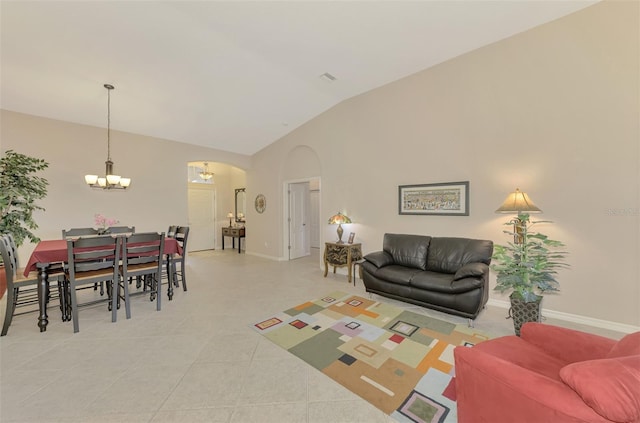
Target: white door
{"points": [[314, 217], [298, 218], [202, 219]]}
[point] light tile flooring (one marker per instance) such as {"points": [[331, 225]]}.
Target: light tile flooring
{"points": [[197, 360]]}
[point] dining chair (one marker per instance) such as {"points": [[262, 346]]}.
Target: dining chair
{"points": [[171, 232], [75, 232], [78, 232], [182, 234], [90, 260], [141, 257], [21, 290], [121, 229]]}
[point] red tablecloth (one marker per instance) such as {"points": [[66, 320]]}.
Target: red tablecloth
{"points": [[55, 251]]}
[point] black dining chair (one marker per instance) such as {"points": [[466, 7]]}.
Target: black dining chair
{"points": [[121, 229], [142, 257], [22, 291], [90, 260], [179, 260], [78, 232]]}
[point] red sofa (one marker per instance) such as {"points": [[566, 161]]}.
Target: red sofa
{"points": [[549, 374]]}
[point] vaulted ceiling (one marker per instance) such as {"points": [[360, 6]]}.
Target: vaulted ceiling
{"points": [[233, 75]]}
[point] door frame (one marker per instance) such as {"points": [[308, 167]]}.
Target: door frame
{"points": [[285, 212]]}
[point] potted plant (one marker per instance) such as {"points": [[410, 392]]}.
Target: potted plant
{"points": [[527, 267], [21, 188]]}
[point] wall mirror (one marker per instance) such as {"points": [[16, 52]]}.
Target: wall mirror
{"points": [[241, 204]]}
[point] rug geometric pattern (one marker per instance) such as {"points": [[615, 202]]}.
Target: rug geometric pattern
{"points": [[399, 361]]}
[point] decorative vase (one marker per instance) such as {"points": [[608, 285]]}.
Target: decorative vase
{"points": [[103, 231], [522, 312]]}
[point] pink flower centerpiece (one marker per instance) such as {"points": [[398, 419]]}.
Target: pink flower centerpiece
{"points": [[103, 223]]}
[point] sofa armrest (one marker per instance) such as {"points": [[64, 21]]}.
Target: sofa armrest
{"points": [[379, 258], [471, 270], [490, 389], [566, 344]]}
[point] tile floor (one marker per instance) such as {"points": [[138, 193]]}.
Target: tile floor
{"points": [[195, 361]]}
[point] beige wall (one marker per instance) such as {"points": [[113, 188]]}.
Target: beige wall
{"points": [[158, 168], [553, 111]]}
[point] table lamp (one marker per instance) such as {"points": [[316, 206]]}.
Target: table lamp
{"points": [[339, 219], [230, 216], [520, 203]]}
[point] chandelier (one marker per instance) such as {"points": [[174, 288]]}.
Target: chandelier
{"points": [[205, 174], [109, 181]]}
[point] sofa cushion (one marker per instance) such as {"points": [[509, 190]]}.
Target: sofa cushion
{"points": [[523, 354], [443, 282], [609, 386], [379, 258], [470, 270], [396, 274], [628, 345], [407, 250], [447, 255]]}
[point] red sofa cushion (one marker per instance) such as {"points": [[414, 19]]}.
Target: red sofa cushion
{"points": [[524, 354], [629, 345], [610, 386]]}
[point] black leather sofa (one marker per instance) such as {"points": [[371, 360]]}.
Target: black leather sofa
{"points": [[445, 274]]}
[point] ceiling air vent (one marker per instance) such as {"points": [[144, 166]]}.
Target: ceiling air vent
{"points": [[327, 77]]}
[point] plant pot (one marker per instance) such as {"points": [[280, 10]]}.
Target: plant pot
{"points": [[3, 281], [522, 312]]}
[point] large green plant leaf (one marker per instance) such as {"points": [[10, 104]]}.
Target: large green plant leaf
{"points": [[20, 188], [528, 267]]}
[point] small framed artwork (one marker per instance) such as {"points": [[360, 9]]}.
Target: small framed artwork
{"points": [[352, 235], [442, 199]]}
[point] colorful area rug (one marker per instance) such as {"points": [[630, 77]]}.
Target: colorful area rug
{"points": [[399, 361]]}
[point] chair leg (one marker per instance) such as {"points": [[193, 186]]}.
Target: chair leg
{"points": [[74, 308], [127, 305], [183, 276], [8, 315], [114, 287], [157, 281], [62, 295]]}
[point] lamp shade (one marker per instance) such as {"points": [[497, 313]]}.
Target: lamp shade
{"points": [[338, 219], [518, 202]]}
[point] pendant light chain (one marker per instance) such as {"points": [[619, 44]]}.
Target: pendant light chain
{"points": [[109, 88]]}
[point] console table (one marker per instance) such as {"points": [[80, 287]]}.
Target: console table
{"points": [[341, 255], [233, 233]]}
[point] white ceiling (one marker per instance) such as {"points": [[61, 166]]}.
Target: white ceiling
{"points": [[233, 75]]}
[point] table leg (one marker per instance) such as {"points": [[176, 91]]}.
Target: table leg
{"points": [[233, 242], [239, 244], [43, 288], [223, 242], [170, 273]]}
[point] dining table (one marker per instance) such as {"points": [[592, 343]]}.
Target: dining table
{"points": [[54, 251]]}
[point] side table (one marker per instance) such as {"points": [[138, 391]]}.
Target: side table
{"points": [[341, 255], [233, 233]]}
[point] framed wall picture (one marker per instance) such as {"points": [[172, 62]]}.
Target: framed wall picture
{"points": [[352, 235], [443, 199]]}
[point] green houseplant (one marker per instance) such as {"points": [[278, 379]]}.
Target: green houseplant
{"points": [[527, 267], [20, 188]]}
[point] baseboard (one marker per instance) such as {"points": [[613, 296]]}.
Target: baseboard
{"points": [[575, 318]]}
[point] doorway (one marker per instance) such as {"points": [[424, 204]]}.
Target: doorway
{"points": [[303, 210]]}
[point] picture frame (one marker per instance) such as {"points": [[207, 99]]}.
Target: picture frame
{"points": [[352, 235], [440, 199]]}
